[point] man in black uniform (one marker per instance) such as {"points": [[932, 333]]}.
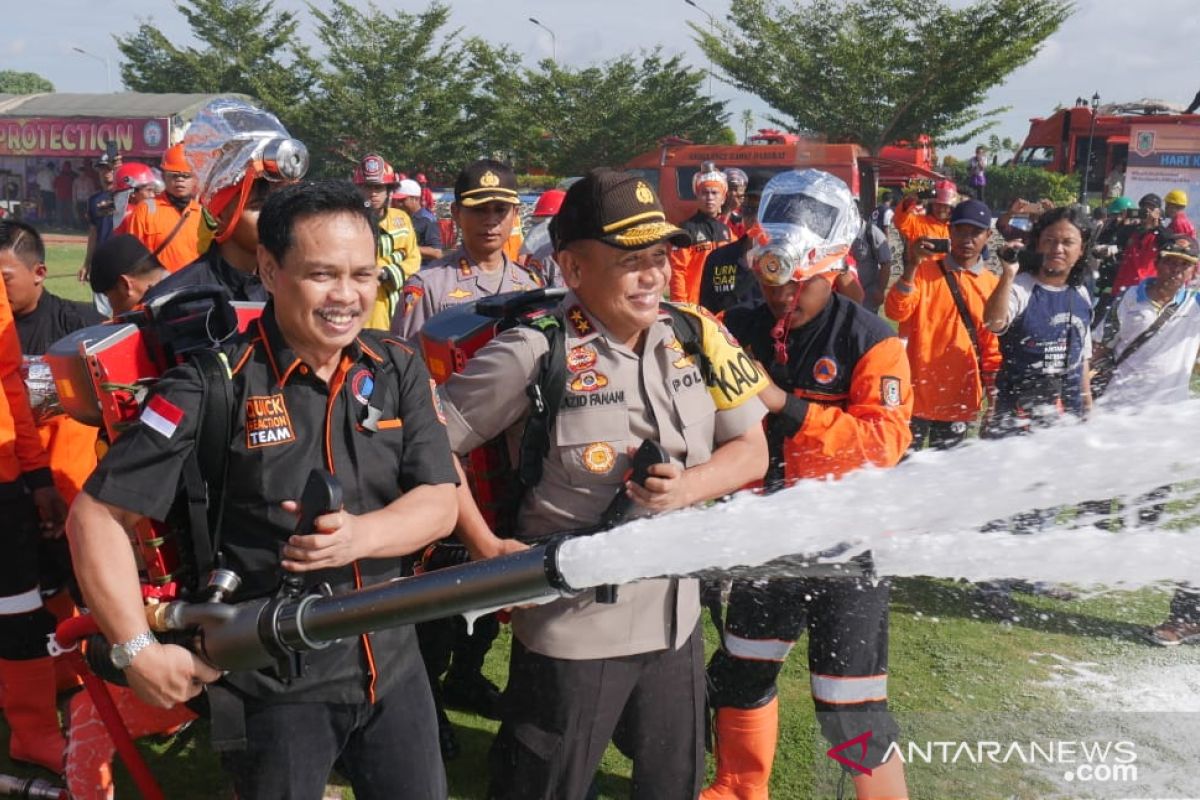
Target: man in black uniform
{"points": [[311, 387], [41, 317]]}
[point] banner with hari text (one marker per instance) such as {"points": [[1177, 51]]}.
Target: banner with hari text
{"points": [[83, 137], [1162, 158]]}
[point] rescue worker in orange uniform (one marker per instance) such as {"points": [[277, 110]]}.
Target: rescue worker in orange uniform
{"points": [[708, 231], [396, 250], [915, 221], [32, 510], [169, 224], [953, 365], [840, 399]]}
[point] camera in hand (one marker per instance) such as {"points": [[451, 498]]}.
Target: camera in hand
{"points": [[1008, 254], [1135, 213], [939, 245]]}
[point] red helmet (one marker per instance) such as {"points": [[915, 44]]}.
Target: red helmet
{"points": [[549, 203], [373, 169], [133, 175], [945, 192]]}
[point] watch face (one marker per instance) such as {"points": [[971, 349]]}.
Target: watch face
{"points": [[119, 655]]}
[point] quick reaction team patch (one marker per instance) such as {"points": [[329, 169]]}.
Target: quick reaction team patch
{"points": [[599, 457], [267, 422]]}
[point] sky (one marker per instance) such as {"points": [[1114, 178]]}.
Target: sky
{"points": [[1122, 49]]}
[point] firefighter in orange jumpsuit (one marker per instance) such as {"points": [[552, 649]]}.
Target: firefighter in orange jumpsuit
{"points": [[169, 224], [841, 399], [915, 221], [32, 509], [708, 231]]}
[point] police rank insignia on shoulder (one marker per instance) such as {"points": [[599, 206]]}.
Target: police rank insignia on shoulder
{"points": [[598, 457], [267, 422], [579, 321], [889, 391]]}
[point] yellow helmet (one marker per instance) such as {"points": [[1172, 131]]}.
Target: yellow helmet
{"points": [[1176, 197]]}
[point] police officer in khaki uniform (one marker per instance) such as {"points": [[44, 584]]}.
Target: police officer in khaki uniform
{"points": [[485, 210], [580, 665]]}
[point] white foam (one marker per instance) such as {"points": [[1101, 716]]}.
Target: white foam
{"points": [[923, 517]]}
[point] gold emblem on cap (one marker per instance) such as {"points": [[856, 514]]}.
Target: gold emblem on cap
{"points": [[489, 180], [643, 193]]}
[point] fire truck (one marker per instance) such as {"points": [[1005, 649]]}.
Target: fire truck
{"points": [[1059, 142], [671, 167]]}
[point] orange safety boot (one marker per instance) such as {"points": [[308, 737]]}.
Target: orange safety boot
{"points": [[29, 707], [886, 782], [745, 751]]}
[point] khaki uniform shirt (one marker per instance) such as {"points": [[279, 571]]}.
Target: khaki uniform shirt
{"points": [[454, 280], [615, 399]]}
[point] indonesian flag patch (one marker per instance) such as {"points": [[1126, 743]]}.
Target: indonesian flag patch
{"points": [[162, 416]]}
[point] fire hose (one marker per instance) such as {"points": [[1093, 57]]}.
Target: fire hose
{"points": [[30, 788]]}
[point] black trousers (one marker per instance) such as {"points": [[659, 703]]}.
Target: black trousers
{"points": [[847, 624], [936, 434], [559, 716], [387, 750], [24, 621]]}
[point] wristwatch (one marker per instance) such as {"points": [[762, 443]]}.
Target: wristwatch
{"points": [[122, 654]]}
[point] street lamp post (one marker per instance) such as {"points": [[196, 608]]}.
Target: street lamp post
{"points": [[712, 29], [553, 40], [1087, 164], [107, 68]]}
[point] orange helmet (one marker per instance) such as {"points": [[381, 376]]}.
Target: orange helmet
{"points": [[372, 168], [174, 160]]}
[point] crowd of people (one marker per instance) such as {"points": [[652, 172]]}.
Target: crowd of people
{"points": [[784, 281]]}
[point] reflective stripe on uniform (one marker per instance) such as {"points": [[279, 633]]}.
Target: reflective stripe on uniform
{"points": [[21, 603], [757, 649], [842, 690]]}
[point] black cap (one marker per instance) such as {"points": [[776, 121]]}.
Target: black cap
{"points": [[486, 181], [972, 212], [122, 254], [1182, 247], [1150, 201], [617, 208]]}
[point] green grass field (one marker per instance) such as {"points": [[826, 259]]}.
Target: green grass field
{"points": [[952, 675]]}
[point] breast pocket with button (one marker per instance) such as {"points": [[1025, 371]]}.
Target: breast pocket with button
{"points": [[592, 443]]}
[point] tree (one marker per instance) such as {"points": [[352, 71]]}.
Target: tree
{"points": [[245, 47], [998, 146], [604, 115], [13, 82], [874, 73], [747, 123], [402, 85]]}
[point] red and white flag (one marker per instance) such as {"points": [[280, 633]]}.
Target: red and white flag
{"points": [[162, 416]]}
